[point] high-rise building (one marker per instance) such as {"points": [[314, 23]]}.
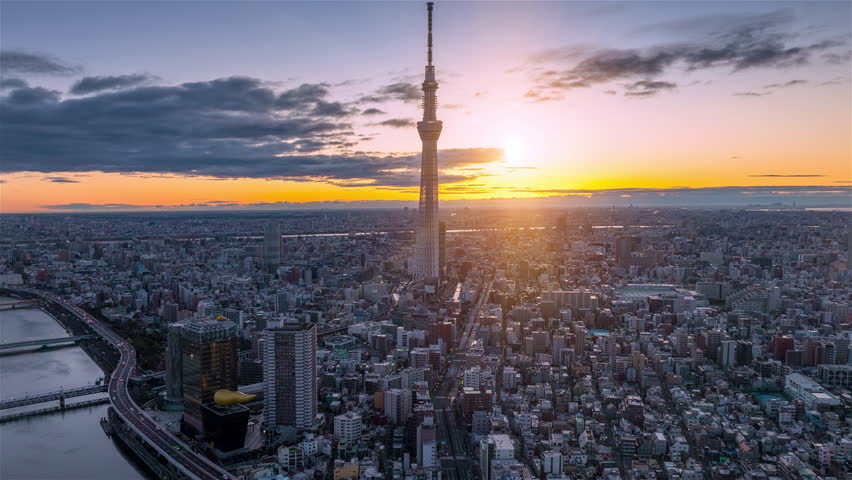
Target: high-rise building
{"points": [[681, 343], [559, 342], [540, 341], [472, 378], [580, 340], [272, 246], [427, 234], [397, 405], [348, 427], [170, 312], [728, 353], [290, 376], [174, 368], [208, 349], [510, 378], [712, 340], [780, 344], [624, 250]]}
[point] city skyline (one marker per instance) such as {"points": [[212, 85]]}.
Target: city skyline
{"points": [[575, 104]]}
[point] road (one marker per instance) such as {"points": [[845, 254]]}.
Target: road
{"points": [[194, 465], [450, 384], [457, 464]]}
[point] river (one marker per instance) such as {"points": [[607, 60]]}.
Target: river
{"points": [[66, 445]]}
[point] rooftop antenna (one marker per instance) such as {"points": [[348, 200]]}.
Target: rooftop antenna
{"points": [[429, 42]]}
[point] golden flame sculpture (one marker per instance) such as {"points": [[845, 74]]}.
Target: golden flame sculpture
{"points": [[227, 397]]}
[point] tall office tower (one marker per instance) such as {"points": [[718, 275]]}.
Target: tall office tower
{"points": [[580, 340], [682, 343], [290, 376], [208, 363], [174, 368], [427, 443], [559, 342], [623, 250], [271, 246], [427, 235]]}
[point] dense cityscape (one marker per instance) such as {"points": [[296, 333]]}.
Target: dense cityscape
{"points": [[598, 343]]}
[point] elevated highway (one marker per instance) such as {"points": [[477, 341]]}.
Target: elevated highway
{"points": [[169, 447]]}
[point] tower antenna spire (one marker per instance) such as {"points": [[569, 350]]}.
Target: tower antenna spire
{"points": [[429, 38]]}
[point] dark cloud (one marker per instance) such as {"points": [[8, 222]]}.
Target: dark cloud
{"points": [[224, 124], [401, 91], [773, 175], [406, 92], [30, 97], [302, 96], [61, 180], [330, 109], [12, 83], [30, 63], [224, 128], [88, 85], [751, 41], [790, 83], [372, 111], [397, 123], [646, 88]]}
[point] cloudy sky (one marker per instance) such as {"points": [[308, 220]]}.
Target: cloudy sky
{"points": [[138, 105]]}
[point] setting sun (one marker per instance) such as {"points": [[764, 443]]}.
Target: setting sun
{"points": [[515, 152]]}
